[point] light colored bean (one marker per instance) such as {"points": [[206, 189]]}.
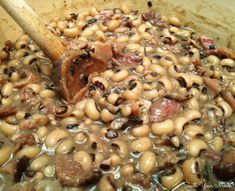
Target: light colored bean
{"points": [[129, 95], [127, 170], [105, 184], [69, 121], [35, 87], [121, 148], [29, 151], [195, 146], [112, 98], [55, 136], [172, 180], [71, 32], [15, 76], [84, 159], [4, 55], [193, 130], [7, 102], [158, 69], [147, 162], [115, 160], [42, 132], [226, 108], [191, 171], [126, 110], [81, 137], [140, 145], [8, 129], [175, 21], [49, 171], [47, 94], [30, 59], [91, 110], [120, 76], [141, 131], [150, 94], [133, 47], [227, 62], [166, 83], [87, 33], [113, 24], [106, 115], [66, 146], [175, 141], [7, 89], [162, 128], [40, 162], [213, 59], [192, 114], [218, 143], [21, 44], [5, 154]]}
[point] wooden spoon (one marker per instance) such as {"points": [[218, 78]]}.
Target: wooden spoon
{"points": [[71, 69]]}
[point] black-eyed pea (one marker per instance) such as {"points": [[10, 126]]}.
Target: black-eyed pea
{"points": [[121, 148], [29, 151], [54, 137], [226, 108], [7, 89], [191, 171], [130, 95], [4, 55], [150, 94], [21, 44], [8, 129], [81, 137], [40, 162], [122, 39], [91, 110], [112, 98], [179, 125], [108, 74], [84, 159], [126, 110], [72, 32], [113, 24], [69, 121], [115, 160], [231, 138], [175, 141], [30, 59], [195, 146], [127, 170], [93, 11], [106, 115], [20, 115], [106, 184], [87, 33], [163, 128], [175, 21], [5, 154], [141, 131], [125, 10], [35, 87], [192, 114], [42, 132], [158, 69], [147, 162], [120, 75], [61, 25], [217, 143], [228, 62], [193, 130], [65, 147], [41, 119], [47, 94], [140, 145], [15, 76], [193, 104], [49, 171], [172, 180], [7, 101], [213, 59], [100, 35], [99, 158]]}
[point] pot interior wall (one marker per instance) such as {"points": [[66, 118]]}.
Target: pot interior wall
{"points": [[214, 18]]}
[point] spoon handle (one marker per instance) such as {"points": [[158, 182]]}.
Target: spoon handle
{"points": [[28, 20]]}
